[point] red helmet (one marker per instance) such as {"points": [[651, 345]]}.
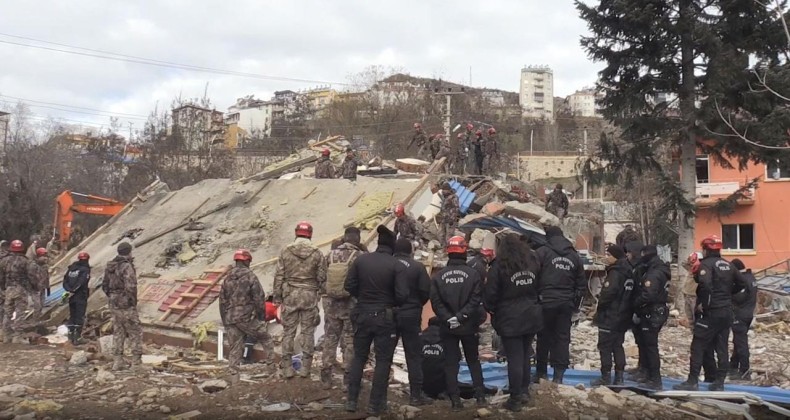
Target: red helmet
{"points": [[40, 252], [304, 230], [491, 131], [325, 152], [470, 126], [16, 246], [83, 256], [479, 133], [242, 255], [487, 252], [438, 135], [456, 245], [417, 126], [712, 242], [400, 210], [460, 135]]}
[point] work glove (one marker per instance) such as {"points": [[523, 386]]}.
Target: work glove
{"points": [[635, 319], [453, 323], [65, 297]]}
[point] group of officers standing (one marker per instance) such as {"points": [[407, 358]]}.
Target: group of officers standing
{"points": [[472, 152]]}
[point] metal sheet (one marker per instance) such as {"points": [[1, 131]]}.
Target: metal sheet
{"points": [[465, 197]]}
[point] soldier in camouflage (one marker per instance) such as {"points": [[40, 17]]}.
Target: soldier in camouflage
{"points": [[419, 139], [15, 280], [406, 227], [451, 210], [436, 145], [3, 254], [491, 152], [557, 202], [243, 310], [350, 164], [39, 280], [120, 286], [324, 169], [337, 310], [299, 283]]}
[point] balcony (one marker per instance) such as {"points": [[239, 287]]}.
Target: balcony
{"points": [[709, 193]]}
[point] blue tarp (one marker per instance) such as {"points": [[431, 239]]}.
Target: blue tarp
{"points": [[55, 294], [495, 375], [535, 235], [465, 197]]}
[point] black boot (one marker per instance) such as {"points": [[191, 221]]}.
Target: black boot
{"points": [[78, 336], [351, 406], [71, 336], [480, 397], [618, 377], [541, 372], [656, 384], [717, 385], [691, 384], [353, 397], [605, 379], [640, 376], [456, 403], [559, 373], [513, 403], [417, 398]]}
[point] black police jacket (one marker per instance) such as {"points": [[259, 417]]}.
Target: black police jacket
{"points": [[562, 273], [378, 281], [615, 303], [77, 278], [456, 291], [480, 264], [745, 301], [717, 280], [513, 299], [419, 284], [651, 292]]}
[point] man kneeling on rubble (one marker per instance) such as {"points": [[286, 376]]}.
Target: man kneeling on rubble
{"points": [[242, 309]]}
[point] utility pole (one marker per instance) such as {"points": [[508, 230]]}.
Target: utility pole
{"points": [[584, 179], [447, 117]]}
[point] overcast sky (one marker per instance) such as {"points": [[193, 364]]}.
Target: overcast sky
{"points": [[312, 40]]}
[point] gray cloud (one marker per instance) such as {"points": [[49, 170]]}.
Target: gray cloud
{"points": [[306, 39]]}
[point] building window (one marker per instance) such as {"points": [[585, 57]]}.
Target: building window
{"points": [[778, 169], [738, 237], [703, 169]]}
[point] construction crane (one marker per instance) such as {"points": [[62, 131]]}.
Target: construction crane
{"points": [[65, 207]]}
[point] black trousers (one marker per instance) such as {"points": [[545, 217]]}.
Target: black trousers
{"points": [[610, 346], [642, 355], [711, 332], [452, 358], [378, 329], [740, 344], [408, 329], [78, 304], [648, 335], [554, 339], [518, 364]]}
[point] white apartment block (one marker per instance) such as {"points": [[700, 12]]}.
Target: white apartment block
{"points": [[582, 103], [252, 115], [536, 92]]}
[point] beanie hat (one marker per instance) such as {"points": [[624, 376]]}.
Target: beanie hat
{"points": [[124, 248], [386, 237], [403, 246], [616, 251], [552, 231]]}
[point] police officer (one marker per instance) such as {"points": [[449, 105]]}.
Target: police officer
{"points": [[651, 312], [717, 279], [562, 287], [434, 383], [378, 281], [633, 253], [456, 297], [512, 298], [744, 303], [408, 319], [481, 261], [614, 315], [75, 283]]}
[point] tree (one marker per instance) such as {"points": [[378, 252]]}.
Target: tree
{"points": [[692, 50]]}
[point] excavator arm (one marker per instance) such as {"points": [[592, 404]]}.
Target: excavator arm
{"points": [[65, 207]]}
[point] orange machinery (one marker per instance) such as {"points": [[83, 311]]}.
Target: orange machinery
{"points": [[65, 207]]}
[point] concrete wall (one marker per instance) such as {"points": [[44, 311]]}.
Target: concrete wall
{"points": [[549, 166], [768, 213]]}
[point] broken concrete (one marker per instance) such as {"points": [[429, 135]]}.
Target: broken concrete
{"points": [[531, 212]]}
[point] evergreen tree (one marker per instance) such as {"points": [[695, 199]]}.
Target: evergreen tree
{"points": [[697, 54]]}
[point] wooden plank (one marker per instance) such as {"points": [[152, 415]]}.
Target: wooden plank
{"points": [[327, 140], [279, 171], [273, 260], [190, 295], [202, 282], [258, 191], [310, 193], [202, 294], [175, 307], [179, 226], [355, 200], [186, 219]]}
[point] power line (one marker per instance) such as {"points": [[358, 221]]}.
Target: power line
{"points": [[114, 114], [107, 55], [77, 111]]}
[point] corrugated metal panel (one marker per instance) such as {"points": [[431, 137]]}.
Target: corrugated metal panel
{"points": [[465, 197]]}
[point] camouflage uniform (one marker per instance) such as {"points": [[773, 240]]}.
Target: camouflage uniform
{"points": [[491, 155], [324, 168], [39, 280], [3, 255], [120, 286], [557, 203], [337, 319], [445, 151], [408, 228], [15, 278], [451, 210], [299, 282], [349, 170], [242, 309], [436, 146], [421, 140]]}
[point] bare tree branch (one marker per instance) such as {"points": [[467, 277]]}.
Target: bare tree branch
{"points": [[735, 133]]}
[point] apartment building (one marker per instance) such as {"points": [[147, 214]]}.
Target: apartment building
{"points": [[536, 92]]}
